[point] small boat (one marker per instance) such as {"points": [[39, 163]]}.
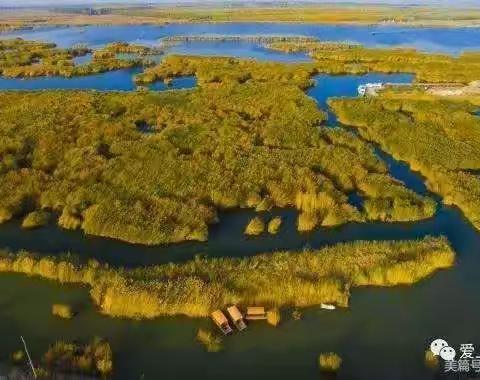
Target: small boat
{"points": [[221, 321], [327, 306], [256, 312], [369, 88], [237, 318]]}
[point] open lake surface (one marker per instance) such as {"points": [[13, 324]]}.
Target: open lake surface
{"points": [[381, 336], [447, 40]]}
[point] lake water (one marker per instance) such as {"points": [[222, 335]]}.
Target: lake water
{"points": [[119, 80], [448, 40], [83, 59], [381, 336], [330, 86]]}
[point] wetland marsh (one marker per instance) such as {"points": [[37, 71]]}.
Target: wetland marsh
{"points": [[213, 153]]}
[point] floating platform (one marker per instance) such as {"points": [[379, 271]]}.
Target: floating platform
{"points": [[255, 312]]}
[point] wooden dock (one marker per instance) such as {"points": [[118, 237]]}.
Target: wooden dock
{"points": [[255, 313]]}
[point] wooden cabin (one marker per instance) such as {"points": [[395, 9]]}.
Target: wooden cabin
{"points": [[221, 321], [257, 312], [237, 318]]}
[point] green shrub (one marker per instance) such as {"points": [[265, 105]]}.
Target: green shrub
{"points": [[329, 362], [273, 317], [63, 311], [255, 227], [93, 358], [36, 219], [274, 225], [68, 220], [208, 339], [5, 215], [307, 221]]}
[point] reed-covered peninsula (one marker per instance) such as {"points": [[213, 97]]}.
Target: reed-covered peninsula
{"points": [[279, 279], [439, 137]]}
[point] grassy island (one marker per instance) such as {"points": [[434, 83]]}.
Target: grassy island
{"points": [[23, 59], [197, 287], [341, 58], [248, 136]]}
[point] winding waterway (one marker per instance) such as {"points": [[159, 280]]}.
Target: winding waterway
{"points": [[382, 335]]}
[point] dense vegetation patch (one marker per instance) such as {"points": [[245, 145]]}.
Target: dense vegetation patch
{"points": [[94, 358], [228, 70], [20, 58], [329, 362], [439, 137], [247, 137], [66, 360], [337, 58], [62, 311], [197, 287]]}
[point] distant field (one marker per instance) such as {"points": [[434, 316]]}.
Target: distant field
{"points": [[317, 14], [415, 16]]}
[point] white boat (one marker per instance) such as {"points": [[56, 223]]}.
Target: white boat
{"points": [[327, 306], [363, 89]]}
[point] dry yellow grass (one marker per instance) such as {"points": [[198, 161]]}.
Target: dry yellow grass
{"points": [[195, 288], [322, 14]]}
